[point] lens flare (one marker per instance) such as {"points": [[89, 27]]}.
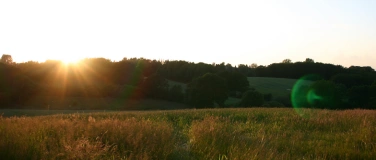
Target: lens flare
{"points": [[302, 96], [312, 97]]}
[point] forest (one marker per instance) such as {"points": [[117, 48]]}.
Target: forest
{"points": [[207, 85]]}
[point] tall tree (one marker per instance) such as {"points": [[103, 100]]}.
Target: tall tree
{"points": [[206, 90], [309, 60], [235, 81], [253, 65], [287, 61], [7, 59]]}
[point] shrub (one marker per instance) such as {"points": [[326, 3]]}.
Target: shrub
{"points": [[206, 90], [252, 98]]}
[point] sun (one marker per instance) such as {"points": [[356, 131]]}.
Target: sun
{"points": [[69, 60]]}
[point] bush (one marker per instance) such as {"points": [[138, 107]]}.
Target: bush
{"points": [[252, 98], [207, 90]]}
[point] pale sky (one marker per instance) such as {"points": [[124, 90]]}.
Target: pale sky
{"points": [[237, 32]]}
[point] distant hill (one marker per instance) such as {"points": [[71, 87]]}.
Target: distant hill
{"points": [[139, 78]]}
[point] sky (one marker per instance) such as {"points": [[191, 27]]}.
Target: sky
{"points": [[341, 32]]}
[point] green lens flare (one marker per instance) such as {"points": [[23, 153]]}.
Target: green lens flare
{"points": [[302, 96], [312, 97]]}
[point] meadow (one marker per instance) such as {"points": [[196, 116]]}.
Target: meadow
{"points": [[241, 133]]}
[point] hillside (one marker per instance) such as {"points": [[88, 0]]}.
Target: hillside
{"points": [[145, 79], [278, 87]]}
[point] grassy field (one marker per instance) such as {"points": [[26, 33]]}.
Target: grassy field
{"points": [[254, 133]]}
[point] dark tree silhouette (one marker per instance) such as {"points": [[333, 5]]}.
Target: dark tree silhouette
{"points": [[309, 60], [324, 94], [351, 79], [7, 59], [206, 90], [155, 86], [176, 94], [362, 97], [287, 61], [252, 98], [235, 81], [134, 77]]}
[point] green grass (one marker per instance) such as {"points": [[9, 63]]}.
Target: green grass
{"points": [[278, 87], [254, 133]]}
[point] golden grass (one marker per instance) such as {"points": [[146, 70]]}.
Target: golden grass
{"points": [[257, 133]]}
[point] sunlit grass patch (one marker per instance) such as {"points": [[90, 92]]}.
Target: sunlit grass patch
{"points": [[254, 133]]}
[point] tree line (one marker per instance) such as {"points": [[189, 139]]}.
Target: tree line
{"points": [[208, 85]]}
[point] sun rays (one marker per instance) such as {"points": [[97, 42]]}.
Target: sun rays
{"points": [[69, 60], [76, 78]]}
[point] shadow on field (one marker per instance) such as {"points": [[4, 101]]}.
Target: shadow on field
{"points": [[40, 106], [38, 112]]}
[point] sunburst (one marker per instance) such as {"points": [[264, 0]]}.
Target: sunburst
{"points": [[67, 60]]}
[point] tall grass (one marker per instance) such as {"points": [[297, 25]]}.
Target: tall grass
{"points": [[192, 134]]}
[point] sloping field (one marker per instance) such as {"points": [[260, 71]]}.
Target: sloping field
{"points": [[276, 86]]}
